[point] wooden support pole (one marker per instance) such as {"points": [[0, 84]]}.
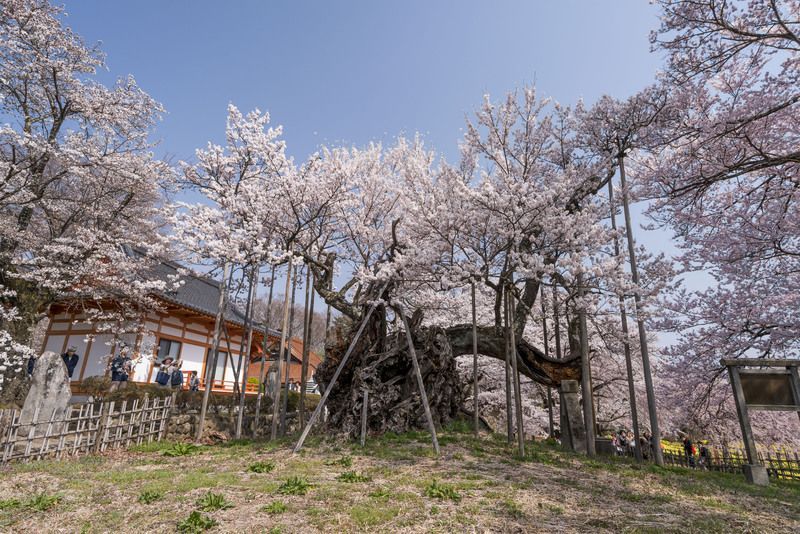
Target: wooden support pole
{"points": [[586, 375], [364, 408], [515, 369], [329, 387], [658, 455], [265, 351], [245, 351], [276, 402], [285, 407], [211, 363], [308, 323], [423, 395], [744, 416], [550, 424], [476, 415], [507, 368], [625, 338]]}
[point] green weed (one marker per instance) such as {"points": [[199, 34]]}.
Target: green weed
{"points": [[41, 502], [196, 523], [211, 502], [352, 476], [344, 461], [295, 486], [150, 496], [262, 467], [275, 508], [437, 490], [181, 449]]}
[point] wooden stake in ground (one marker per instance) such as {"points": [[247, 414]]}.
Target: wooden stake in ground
{"points": [[364, 408], [423, 395], [625, 340], [248, 321], [308, 323], [276, 402], [507, 366], [586, 375], [335, 377], [285, 407], [265, 349], [515, 369], [658, 456], [547, 355], [211, 361], [475, 361]]}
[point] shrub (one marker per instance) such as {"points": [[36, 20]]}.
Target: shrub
{"points": [[150, 496], [437, 490], [262, 467], [295, 486], [195, 523], [275, 508], [211, 502], [352, 476]]}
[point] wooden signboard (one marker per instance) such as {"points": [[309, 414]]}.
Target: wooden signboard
{"points": [[766, 391]]}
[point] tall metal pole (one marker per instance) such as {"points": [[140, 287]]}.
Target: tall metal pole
{"points": [[309, 319], [546, 355], [285, 407], [276, 402], [265, 351], [475, 361], [637, 449], [586, 375], [251, 297], [515, 369], [211, 361], [648, 377]]}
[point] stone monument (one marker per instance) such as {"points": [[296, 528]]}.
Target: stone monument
{"points": [[49, 393]]}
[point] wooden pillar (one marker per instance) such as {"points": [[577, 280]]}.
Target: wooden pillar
{"points": [[423, 395], [265, 352], [515, 368], [329, 388], [586, 375], [547, 355], [744, 416], [211, 363], [284, 325], [476, 417], [309, 320]]}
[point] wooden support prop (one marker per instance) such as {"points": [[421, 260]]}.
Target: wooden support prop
{"points": [[515, 369], [276, 402], [476, 417], [744, 416], [285, 406], [625, 341], [308, 313], [423, 395], [586, 376], [265, 351], [364, 408], [245, 351], [507, 368], [211, 362], [329, 388], [550, 425], [658, 455]]}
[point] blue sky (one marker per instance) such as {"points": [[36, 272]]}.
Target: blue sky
{"points": [[357, 71]]}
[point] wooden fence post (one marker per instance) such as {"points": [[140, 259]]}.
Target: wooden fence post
{"points": [[364, 407]]}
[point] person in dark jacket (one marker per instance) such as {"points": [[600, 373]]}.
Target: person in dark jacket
{"points": [[70, 360], [688, 449], [31, 364], [121, 368]]}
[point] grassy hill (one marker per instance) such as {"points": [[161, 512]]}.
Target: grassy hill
{"points": [[394, 484]]}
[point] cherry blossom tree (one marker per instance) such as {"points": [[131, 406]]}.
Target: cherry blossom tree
{"points": [[79, 186]]}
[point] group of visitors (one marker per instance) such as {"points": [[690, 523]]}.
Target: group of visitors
{"points": [[696, 458], [625, 444], [169, 373], [70, 358]]}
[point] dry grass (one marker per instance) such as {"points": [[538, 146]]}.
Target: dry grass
{"points": [[497, 492]]}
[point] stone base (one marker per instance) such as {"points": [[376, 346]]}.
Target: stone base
{"points": [[756, 474]]}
